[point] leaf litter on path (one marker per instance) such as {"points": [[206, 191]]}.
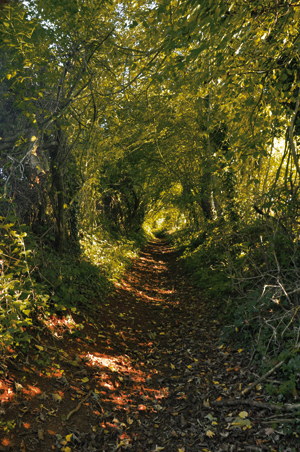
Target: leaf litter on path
{"points": [[144, 376]]}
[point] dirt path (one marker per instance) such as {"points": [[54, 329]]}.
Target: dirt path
{"points": [[143, 375]]}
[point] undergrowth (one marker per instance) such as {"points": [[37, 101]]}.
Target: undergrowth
{"points": [[37, 284], [253, 271], [111, 254]]}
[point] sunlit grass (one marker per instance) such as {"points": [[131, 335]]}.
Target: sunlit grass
{"points": [[110, 255]]}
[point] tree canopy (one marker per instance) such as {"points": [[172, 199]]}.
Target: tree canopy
{"points": [[182, 116]]}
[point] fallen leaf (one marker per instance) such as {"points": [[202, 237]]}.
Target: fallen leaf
{"points": [[210, 433], [240, 422], [243, 414], [18, 387], [206, 403], [57, 398], [210, 417], [41, 434], [39, 347], [44, 396], [22, 446], [269, 431]]}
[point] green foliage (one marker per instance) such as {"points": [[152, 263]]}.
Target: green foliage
{"points": [[114, 115], [204, 259], [37, 282], [18, 295], [109, 254]]}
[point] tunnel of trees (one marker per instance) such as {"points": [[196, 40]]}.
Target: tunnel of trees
{"points": [[124, 120]]}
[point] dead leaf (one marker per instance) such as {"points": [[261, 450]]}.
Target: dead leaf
{"points": [[206, 403], [57, 398], [44, 396], [41, 434], [269, 431], [18, 387], [39, 347], [210, 434], [22, 446], [240, 422]]}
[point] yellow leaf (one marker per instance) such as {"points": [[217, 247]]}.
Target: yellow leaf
{"points": [[150, 19], [243, 414], [33, 138], [84, 380], [239, 422], [210, 433], [40, 348], [172, 366], [69, 437], [56, 398], [214, 423], [66, 449], [215, 382], [258, 387], [240, 350]]}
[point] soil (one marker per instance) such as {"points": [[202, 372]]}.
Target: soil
{"points": [[143, 371]]}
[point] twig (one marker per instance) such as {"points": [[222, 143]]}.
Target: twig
{"points": [[269, 406], [12, 364], [272, 421], [79, 404], [264, 377], [254, 448]]}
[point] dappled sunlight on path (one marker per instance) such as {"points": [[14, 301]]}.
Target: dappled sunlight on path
{"points": [[143, 372]]}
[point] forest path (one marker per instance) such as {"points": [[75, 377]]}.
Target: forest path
{"points": [[142, 375]]}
